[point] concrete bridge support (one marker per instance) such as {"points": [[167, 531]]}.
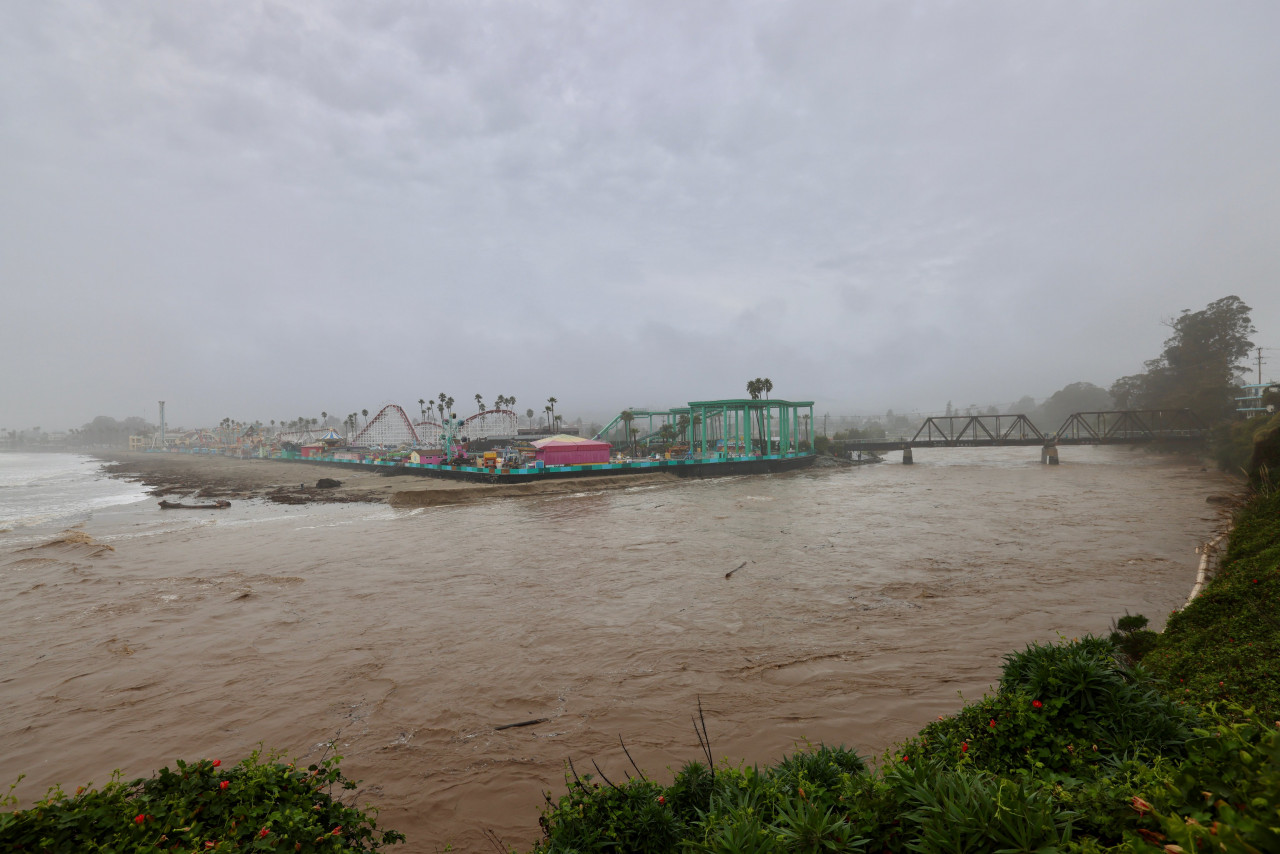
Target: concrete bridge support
{"points": [[906, 457], [1049, 454]]}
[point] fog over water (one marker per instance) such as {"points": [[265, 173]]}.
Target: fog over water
{"points": [[269, 210], [866, 600]]}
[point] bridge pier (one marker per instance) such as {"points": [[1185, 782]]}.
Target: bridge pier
{"points": [[1049, 454], [906, 456]]}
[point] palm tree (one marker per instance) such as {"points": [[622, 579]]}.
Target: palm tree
{"points": [[422, 408], [755, 387], [365, 413], [528, 413], [479, 402], [511, 402], [552, 401]]}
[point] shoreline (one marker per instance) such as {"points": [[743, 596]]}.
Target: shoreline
{"points": [[286, 482]]}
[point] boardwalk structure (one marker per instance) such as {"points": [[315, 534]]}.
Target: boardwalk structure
{"points": [[1113, 427], [720, 428]]}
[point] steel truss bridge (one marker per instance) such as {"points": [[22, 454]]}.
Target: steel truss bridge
{"points": [[1114, 427]]}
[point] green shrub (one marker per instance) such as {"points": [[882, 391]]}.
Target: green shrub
{"points": [[261, 804], [1132, 639], [631, 817], [1226, 796], [947, 809], [1086, 691], [821, 770]]}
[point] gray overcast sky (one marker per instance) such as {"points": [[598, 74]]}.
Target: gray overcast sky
{"points": [[268, 209]]}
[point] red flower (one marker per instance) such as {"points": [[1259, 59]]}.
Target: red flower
{"points": [[906, 758], [337, 830], [140, 819], [223, 784], [992, 723], [262, 833], [661, 799], [964, 747], [217, 762], [1035, 704]]}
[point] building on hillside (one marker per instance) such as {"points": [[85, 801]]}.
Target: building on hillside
{"points": [[1249, 401]]}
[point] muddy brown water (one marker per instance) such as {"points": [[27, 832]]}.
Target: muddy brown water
{"points": [[868, 602]]}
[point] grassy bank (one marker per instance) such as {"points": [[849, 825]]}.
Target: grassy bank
{"points": [[1225, 646]]}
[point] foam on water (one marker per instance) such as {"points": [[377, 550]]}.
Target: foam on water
{"points": [[39, 492]]}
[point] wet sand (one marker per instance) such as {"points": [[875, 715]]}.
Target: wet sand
{"points": [[199, 476]]}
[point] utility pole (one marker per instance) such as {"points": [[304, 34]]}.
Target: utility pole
{"points": [[1259, 366]]}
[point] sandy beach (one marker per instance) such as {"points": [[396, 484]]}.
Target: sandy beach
{"points": [[206, 476]]}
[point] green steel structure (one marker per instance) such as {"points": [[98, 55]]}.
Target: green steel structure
{"points": [[664, 416], [720, 429], [747, 427]]}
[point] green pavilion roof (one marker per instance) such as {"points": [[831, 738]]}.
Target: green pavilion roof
{"points": [[746, 401]]}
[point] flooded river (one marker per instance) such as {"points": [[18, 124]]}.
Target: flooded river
{"points": [[861, 604]]}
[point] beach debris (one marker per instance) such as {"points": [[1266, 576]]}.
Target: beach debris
{"points": [[735, 569], [522, 723], [328, 483], [220, 504]]}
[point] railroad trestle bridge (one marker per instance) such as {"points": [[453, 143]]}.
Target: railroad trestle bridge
{"points": [[1111, 427]]}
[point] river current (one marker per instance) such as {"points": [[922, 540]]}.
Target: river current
{"points": [[860, 603]]}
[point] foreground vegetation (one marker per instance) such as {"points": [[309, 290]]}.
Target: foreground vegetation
{"points": [[261, 804]]}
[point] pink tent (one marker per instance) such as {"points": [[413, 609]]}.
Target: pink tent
{"points": [[565, 450]]}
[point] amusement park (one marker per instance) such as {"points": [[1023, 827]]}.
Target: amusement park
{"points": [[702, 438]]}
